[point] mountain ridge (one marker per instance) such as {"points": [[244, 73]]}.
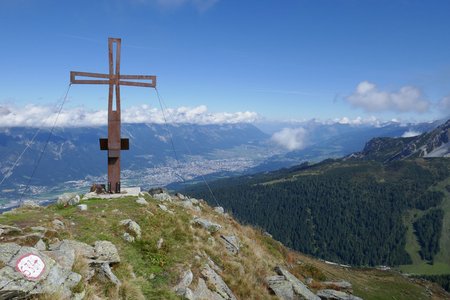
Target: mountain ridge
{"points": [[158, 246]]}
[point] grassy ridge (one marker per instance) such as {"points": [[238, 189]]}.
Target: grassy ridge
{"points": [[150, 273]]}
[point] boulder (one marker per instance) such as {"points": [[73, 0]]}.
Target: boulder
{"points": [[180, 196], [65, 257], [202, 292], [29, 204], [128, 237], [159, 243], [82, 207], [182, 286], [160, 194], [281, 287], [194, 201], [231, 243], [39, 229], [79, 248], [162, 197], [105, 274], [68, 199], [132, 228], [106, 252], [58, 224], [217, 282], [208, 225], [212, 264], [40, 245], [219, 210], [141, 201], [297, 285], [6, 230], [42, 275], [163, 207], [329, 294]]}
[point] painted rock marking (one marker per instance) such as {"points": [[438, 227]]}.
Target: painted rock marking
{"points": [[31, 266]]}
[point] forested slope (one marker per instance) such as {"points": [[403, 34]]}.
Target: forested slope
{"points": [[349, 211]]}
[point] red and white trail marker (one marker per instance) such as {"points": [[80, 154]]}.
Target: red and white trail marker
{"points": [[31, 266]]}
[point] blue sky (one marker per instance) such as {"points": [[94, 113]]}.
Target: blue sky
{"points": [[280, 59]]}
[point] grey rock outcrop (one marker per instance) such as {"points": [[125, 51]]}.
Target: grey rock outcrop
{"points": [[163, 207], [29, 204], [298, 286], [186, 280], [159, 244], [328, 294], [65, 257], [132, 228], [180, 196], [281, 287], [106, 252], [232, 243], [217, 282], [68, 199], [16, 285], [219, 210], [58, 224], [128, 237], [105, 274], [160, 194], [208, 225], [79, 248], [141, 201], [6, 230], [82, 207], [203, 292], [40, 245]]}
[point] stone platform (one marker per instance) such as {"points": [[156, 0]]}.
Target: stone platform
{"points": [[126, 191]]}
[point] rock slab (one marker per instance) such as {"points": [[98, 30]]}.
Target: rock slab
{"points": [[208, 225], [297, 285], [329, 294], [281, 287]]}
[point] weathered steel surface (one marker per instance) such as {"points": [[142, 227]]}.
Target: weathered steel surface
{"points": [[114, 143]]}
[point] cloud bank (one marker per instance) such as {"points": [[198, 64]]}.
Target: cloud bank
{"points": [[44, 116], [291, 138], [407, 99], [411, 133], [444, 104]]}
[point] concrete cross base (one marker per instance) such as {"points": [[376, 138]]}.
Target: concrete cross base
{"points": [[125, 192]]}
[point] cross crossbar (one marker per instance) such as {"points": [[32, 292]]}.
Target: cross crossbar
{"points": [[113, 79]]}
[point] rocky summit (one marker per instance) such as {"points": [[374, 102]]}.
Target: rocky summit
{"points": [[163, 246]]}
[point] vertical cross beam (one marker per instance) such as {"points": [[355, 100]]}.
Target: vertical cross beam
{"points": [[114, 143]]}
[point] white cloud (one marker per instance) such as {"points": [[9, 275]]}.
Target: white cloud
{"points": [[291, 138], [444, 104], [411, 133], [35, 116], [406, 99], [371, 120]]}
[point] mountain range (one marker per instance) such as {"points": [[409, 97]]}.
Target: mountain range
{"points": [[171, 154]]}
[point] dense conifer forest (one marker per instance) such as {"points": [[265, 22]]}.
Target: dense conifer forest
{"points": [[428, 231], [347, 211]]}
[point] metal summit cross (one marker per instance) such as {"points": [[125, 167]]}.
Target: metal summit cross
{"points": [[114, 143]]}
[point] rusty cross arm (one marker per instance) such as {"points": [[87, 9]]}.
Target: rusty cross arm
{"points": [[113, 79]]}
